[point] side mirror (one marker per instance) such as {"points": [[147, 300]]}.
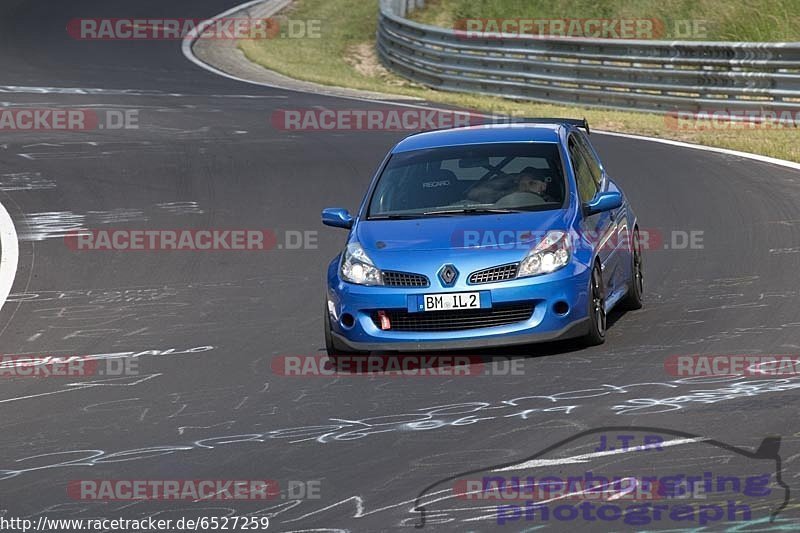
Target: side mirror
{"points": [[604, 201], [337, 217]]}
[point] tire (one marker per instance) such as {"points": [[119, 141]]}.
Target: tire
{"points": [[330, 346], [633, 300], [597, 312]]}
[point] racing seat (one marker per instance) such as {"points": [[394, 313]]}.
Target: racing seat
{"points": [[436, 188]]}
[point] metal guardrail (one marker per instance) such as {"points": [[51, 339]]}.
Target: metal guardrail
{"points": [[659, 76]]}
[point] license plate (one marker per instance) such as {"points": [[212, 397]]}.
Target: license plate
{"points": [[456, 300]]}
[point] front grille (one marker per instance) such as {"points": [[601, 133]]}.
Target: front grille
{"points": [[404, 279], [500, 315], [498, 273]]}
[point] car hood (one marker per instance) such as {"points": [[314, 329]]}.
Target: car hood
{"points": [[455, 232]]}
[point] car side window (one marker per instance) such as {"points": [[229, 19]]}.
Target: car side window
{"points": [[587, 187], [591, 159]]}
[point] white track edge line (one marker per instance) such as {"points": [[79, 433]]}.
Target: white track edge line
{"points": [[10, 254]]}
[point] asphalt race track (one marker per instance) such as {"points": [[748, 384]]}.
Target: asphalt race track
{"points": [[203, 328]]}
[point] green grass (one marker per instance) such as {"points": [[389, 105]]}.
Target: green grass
{"points": [[733, 20], [344, 56]]}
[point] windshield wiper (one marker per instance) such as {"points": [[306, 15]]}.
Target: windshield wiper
{"points": [[445, 212], [394, 217], [473, 211]]}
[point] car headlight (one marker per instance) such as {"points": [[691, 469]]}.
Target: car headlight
{"points": [[552, 253], [358, 268]]}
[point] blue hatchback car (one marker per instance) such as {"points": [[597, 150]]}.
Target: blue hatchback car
{"points": [[484, 236]]}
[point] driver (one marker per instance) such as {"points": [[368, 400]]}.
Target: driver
{"points": [[534, 180], [529, 180], [530, 183], [531, 190]]}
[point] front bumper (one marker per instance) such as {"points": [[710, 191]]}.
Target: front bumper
{"points": [[576, 329], [352, 308]]}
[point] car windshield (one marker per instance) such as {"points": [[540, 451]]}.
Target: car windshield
{"points": [[467, 180]]}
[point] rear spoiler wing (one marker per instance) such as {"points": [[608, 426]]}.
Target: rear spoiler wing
{"points": [[578, 123]]}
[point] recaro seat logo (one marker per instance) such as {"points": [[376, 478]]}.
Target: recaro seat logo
{"points": [[434, 184]]}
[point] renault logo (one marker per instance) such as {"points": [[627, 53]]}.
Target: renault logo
{"points": [[448, 275]]}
